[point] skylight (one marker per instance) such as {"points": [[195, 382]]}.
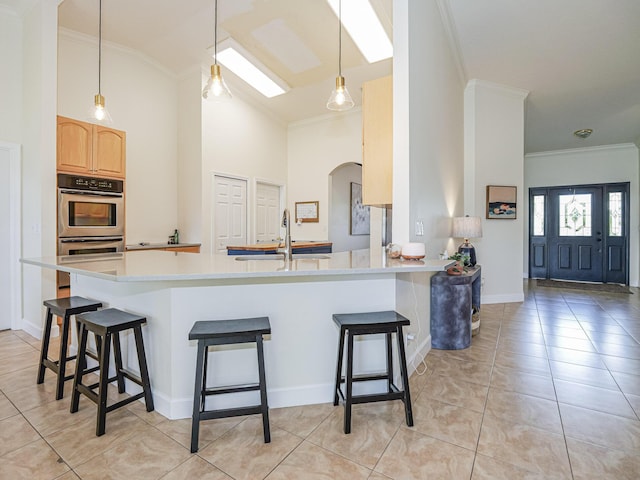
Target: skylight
{"points": [[232, 56], [364, 28]]}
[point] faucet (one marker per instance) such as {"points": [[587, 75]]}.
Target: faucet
{"points": [[286, 222]]}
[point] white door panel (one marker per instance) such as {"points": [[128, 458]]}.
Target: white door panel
{"points": [[230, 213], [267, 212]]}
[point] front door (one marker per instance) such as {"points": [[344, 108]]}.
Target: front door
{"points": [[580, 233]]}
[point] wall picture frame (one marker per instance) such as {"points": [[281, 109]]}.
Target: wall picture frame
{"points": [[360, 222], [307, 212], [501, 202]]}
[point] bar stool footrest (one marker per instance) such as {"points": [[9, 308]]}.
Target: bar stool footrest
{"points": [[230, 412], [224, 390]]}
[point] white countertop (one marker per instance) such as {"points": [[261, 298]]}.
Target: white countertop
{"points": [[157, 265]]}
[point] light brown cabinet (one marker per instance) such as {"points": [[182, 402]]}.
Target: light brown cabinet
{"points": [[87, 149], [377, 142]]}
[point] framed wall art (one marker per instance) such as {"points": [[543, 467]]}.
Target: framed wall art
{"points": [[307, 212], [501, 202], [359, 212]]}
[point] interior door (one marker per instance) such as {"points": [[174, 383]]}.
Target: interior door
{"points": [[229, 222], [267, 212], [576, 234]]}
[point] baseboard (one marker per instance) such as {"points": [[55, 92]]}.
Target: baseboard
{"points": [[503, 298], [36, 330]]}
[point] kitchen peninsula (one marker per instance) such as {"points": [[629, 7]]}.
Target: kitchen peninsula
{"points": [[174, 290]]}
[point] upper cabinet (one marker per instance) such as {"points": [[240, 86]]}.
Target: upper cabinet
{"points": [[87, 149], [377, 142]]}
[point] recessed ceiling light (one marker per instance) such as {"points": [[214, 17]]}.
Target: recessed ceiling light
{"points": [[248, 68], [583, 132], [364, 28]]}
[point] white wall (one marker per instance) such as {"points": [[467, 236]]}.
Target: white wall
{"points": [[240, 140], [494, 153], [11, 78], [190, 141], [428, 130], [609, 164], [428, 149], [315, 148], [340, 209], [38, 138], [142, 99]]}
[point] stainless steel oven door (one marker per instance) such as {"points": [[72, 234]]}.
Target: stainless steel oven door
{"points": [[90, 214], [86, 246]]}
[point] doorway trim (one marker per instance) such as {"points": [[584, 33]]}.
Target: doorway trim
{"points": [[15, 227]]}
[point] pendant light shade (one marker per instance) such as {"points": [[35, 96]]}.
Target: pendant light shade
{"points": [[216, 89], [98, 112], [340, 99]]}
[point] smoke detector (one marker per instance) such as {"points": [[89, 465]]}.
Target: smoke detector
{"points": [[583, 132]]}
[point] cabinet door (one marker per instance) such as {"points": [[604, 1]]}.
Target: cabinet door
{"points": [[74, 146], [377, 142], [109, 152]]}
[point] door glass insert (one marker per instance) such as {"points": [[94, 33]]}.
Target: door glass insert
{"points": [[575, 215], [615, 214], [538, 214]]}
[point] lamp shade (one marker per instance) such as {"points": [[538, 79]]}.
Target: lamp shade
{"points": [[467, 227]]}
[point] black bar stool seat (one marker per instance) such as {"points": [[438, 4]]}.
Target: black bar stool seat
{"points": [[352, 324], [226, 332], [106, 325], [63, 308]]}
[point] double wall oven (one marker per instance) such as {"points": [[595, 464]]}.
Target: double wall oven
{"points": [[90, 217]]}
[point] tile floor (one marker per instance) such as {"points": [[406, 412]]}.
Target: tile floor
{"points": [[549, 389]]}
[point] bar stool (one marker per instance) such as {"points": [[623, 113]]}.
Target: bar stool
{"points": [[63, 308], [106, 325], [353, 324], [227, 332]]}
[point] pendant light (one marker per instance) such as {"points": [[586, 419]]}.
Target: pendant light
{"points": [[340, 100], [216, 89], [99, 113]]}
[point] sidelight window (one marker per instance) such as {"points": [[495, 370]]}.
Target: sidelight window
{"points": [[538, 214], [615, 214]]}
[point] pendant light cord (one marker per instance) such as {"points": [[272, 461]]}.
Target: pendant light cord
{"points": [[99, 47], [215, 33], [339, 38]]}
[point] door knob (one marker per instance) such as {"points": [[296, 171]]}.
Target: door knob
{"points": [[599, 240]]}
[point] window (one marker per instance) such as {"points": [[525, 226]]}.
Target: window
{"points": [[538, 214], [615, 214], [575, 215]]}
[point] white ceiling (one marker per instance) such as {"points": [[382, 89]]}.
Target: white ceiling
{"points": [[578, 58]]}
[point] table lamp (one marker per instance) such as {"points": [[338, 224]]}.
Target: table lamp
{"points": [[467, 227]]}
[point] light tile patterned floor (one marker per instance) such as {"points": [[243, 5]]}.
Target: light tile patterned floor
{"points": [[549, 389]]}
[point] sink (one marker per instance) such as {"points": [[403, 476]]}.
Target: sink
{"points": [[309, 256], [273, 256], [280, 256]]}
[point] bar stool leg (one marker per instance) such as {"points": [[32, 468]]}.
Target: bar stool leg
{"points": [[62, 359], [117, 358], [204, 379], [144, 371], [405, 378], [336, 398], [348, 384], [263, 390], [102, 385], [389, 345], [44, 350], [197, 393], [81, 362]]}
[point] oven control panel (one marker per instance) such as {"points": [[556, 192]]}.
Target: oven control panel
{"points": [[90, 183]]}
